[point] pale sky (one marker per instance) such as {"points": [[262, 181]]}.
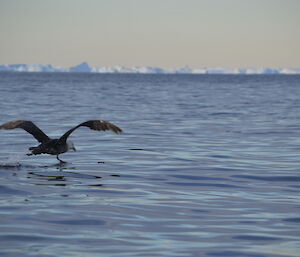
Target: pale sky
{"points": [[162, 33]]}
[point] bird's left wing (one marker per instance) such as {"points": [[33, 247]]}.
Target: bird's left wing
{"points": [[28, 126]]}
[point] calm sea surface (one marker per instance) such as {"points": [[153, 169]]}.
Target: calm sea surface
{"points": [[208, 165]]}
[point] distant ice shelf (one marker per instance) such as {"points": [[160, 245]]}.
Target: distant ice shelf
{"points": [[84, 67]]}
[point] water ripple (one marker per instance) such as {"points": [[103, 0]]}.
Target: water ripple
{"points": [[206, 166]]}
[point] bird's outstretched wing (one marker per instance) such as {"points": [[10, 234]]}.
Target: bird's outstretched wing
{"points": [[95, 125], [28, 126]]}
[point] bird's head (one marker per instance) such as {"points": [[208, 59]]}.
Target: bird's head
{"points": [[71, 146]]}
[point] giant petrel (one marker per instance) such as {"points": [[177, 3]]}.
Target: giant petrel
{"points": [[60, 145]]}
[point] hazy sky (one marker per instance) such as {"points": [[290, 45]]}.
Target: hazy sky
{"points": [[164, 33]]}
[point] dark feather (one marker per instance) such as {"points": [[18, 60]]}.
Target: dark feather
{"points": [[28, 126], [95, 125]]}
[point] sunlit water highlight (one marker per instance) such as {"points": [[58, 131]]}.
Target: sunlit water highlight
{"points": [[206, 166]]}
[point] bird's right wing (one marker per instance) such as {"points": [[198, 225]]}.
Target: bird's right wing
{"points": [[100, 125], [28, 126]]}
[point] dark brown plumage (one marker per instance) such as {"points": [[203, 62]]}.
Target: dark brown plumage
{"points": [[60, 145]]}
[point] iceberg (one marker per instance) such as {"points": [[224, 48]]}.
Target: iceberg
{"points": [[289, 71], [31, 68], [84, 67]]}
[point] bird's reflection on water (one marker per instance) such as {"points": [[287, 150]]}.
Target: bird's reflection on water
{"points": [[55, 174]]}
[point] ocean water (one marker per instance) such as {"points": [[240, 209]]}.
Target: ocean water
{"points": [[208, 165]]}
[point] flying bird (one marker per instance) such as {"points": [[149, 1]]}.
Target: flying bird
{"points": [[59, 145]]}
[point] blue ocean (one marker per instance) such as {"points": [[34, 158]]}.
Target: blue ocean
{"points": [[207, 165]]}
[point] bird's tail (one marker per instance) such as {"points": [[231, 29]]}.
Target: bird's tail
{"points": [[34, 150], [30, 149]]}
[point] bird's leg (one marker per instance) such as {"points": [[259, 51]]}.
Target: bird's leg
{"points": [[61, 161]]}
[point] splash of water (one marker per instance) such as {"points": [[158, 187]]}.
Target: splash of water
{"points": [[13, 161]]}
